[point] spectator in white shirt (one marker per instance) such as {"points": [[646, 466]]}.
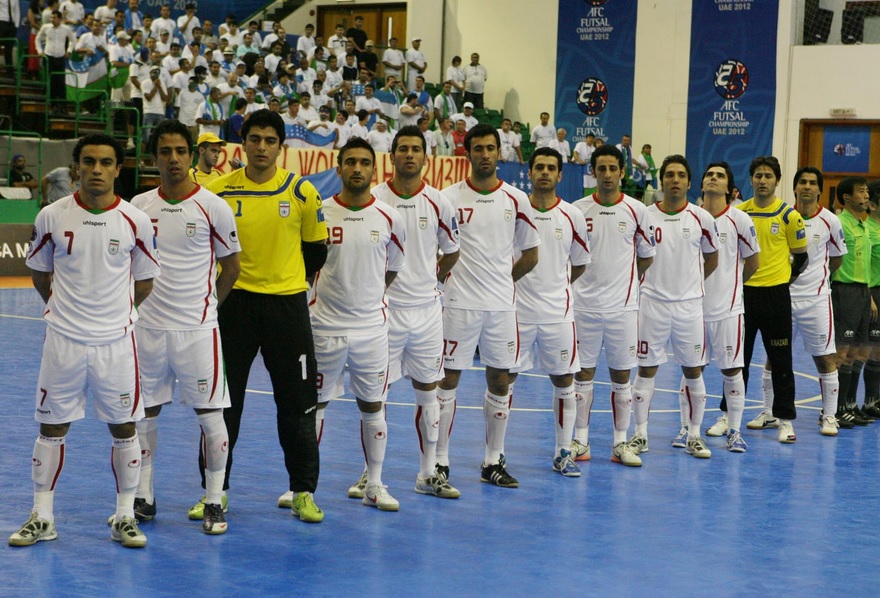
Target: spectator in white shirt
{"points": [[455, 75], [393, 59], [55, 41], [163, 23], [510, 143], [190, 100], [380, 139], [543, 134], [306, 110], [305, 42], [188, 21], [561, 145], [475, 81], [467, 115], [415, 63], [337, 41]]}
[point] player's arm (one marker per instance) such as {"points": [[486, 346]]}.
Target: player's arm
{"points": [[576, 272], [230, 268], [314, 256], [751, 265], [445, 263], [642, 265], [799, 262], [142, 290], [43, 284], [834, 263], [525, 264], [710, 263]]}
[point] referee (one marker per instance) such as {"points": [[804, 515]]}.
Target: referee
{"points": [[282, 234], [766, 298]]}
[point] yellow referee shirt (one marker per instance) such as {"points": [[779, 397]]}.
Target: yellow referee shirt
{"points": [[780, 228], [203, 178], [273, 219]]}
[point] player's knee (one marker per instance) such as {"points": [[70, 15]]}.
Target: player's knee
{"points": [[560, 381], [587, 374], [122, 431], [369, 406], [731, 372], [54, 430], [152, 411]]}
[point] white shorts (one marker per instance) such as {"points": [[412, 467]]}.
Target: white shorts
{"points": [[415, 343], [724, 342], [192, 357], [69, 370], [495, 331], [367, 360], [618, 332], [554, 345], [814, 319], [679, 323]]}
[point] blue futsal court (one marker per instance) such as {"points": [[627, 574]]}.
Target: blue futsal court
{"points": [[786, 519]]}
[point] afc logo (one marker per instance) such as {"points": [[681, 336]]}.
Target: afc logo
{"points": [[596, 2], [731, 79], [592, 96]]}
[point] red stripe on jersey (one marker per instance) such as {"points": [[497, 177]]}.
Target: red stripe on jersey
{"points": [[396, 241], [440, 222], [824, 271], [216, 363], [137, 377], [400, 195], [830, 236], [138, 243], [575, 237], [574, 345], [739, 329], [210, 262], [85, 207], [830, 323], [520, 215], [567, 301], [60, 467], [496, 188], [632, 274], [46, 238], [187, 196], [704, 231], [517, 341]]}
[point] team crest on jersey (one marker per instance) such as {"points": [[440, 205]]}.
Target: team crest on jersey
{"points": [[125, 399], [621, 226], [686, 233], [774, 228], [113, 248], [729, 349], [632, 350], [284, 209], [381, 379], [563, 355], [722, 237], [423, 222], [558, 233], [374, 236], [508, 214], [816, 239], [190, 229], [203, 386], [698, 349], [511, 347]]}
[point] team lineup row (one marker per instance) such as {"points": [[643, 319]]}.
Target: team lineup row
{"points": [[612, 273]]}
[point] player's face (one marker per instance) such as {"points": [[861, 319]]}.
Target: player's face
{"points": [[98, 169], [764, 182], [608, 173], [172, 158], [409, 158], [715, 181], [545, 173], [484, 155], [675, 182], [262, 147], [211, 154], [356, 171], [857, 201], [806, 190]]}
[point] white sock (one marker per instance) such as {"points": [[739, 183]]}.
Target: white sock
{"points": [[148, 433], [446, 399], [830, 387], [126, 460], [583, 393], [735, 393], [374, 436], [695, 391], [46, 466], [427, 427], [496, 411], [682, 403], [767, 390], [215, 447], [643, 392], [621, 408], [319, 422], [564, 413]]}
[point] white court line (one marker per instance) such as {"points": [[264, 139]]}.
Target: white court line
{"points": [[14, 317]]}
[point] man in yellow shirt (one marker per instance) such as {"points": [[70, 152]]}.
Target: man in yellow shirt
{"points": [[209, 147], [282, 233], [766, 298]]}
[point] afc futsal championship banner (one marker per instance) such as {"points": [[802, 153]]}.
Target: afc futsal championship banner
{"points": [[595, 68], [732, 89]]}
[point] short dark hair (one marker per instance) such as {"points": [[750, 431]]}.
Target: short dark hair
{"points": [[769, 161], [409, 131], [545, 151], [607, 149], [481, 130], [264, 118], [99, 139], [675, 159], [731, 184], [355, 143], [848, 185], [362, 114], [240, 103], [811, 170], [169, 127]]}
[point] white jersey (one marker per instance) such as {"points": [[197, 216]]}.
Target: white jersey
{"points": [[348, 297], [94, 255], [680, 238], [493, 224], [619, 233], [430, 226], [192, 233], [544, 295], [737, 240], [824, 241]]}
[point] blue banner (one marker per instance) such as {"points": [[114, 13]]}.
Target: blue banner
{"points": [[846, 150], [732, 89], [595, 68]]}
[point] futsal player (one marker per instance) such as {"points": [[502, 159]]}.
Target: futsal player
{"points": [[544, 303], [93, 260], [178, 335], [738, 259], [415, 314], [282, 233], [871, 406], [479, 307], [766, 295], [606, 300], [366, 251], [671, 309]]}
